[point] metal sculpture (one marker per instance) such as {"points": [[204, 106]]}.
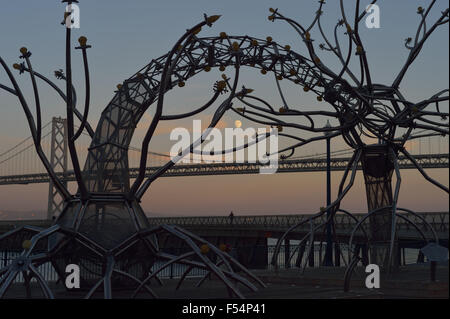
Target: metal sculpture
{"points": [[102, 228], [85, 232], [359, 109]]}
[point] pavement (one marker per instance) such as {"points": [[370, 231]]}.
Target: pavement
{"points": [[411, 282]]}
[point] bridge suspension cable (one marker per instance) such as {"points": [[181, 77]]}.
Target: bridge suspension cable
{"points": [[21, 159]]}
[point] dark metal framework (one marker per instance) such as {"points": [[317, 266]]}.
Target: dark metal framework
{"points": [[102, 228], [363, 109], [86, 231]]}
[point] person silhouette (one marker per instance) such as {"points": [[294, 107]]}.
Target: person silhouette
{"points": [[231, 217]]}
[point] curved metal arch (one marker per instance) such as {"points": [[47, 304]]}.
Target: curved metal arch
{"points": [[351, 267], [436, 238], [118, 120]]}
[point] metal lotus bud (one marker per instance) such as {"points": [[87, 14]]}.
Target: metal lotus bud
{"points": [[221, 85], [26, 244], [213, 18], [204, 249], [82, 41]]}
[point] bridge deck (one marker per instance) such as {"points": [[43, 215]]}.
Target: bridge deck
{"points": [[285, 166], [250, 226]]}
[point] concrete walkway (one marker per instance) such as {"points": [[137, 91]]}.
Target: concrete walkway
{"points": [[316, 283]]}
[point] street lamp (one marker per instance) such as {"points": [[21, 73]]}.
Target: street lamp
{"points": [[328, 261]]}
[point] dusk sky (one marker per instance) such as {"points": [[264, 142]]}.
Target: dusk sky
{"points": [[126, 35]]}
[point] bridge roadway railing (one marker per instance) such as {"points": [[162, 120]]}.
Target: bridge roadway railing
{"points": [[242, 225], [279, 223]]}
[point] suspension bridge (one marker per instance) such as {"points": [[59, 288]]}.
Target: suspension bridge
{"points": [[21, 165]]}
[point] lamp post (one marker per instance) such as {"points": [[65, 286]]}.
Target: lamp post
{"points": [[328, 260]]}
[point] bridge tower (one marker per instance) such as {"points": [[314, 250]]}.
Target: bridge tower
{"points": [[58, 161]]}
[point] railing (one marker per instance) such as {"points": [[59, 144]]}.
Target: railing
{"points": [[409, 256], [344, 224], [439, 221], [49, 273]]}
